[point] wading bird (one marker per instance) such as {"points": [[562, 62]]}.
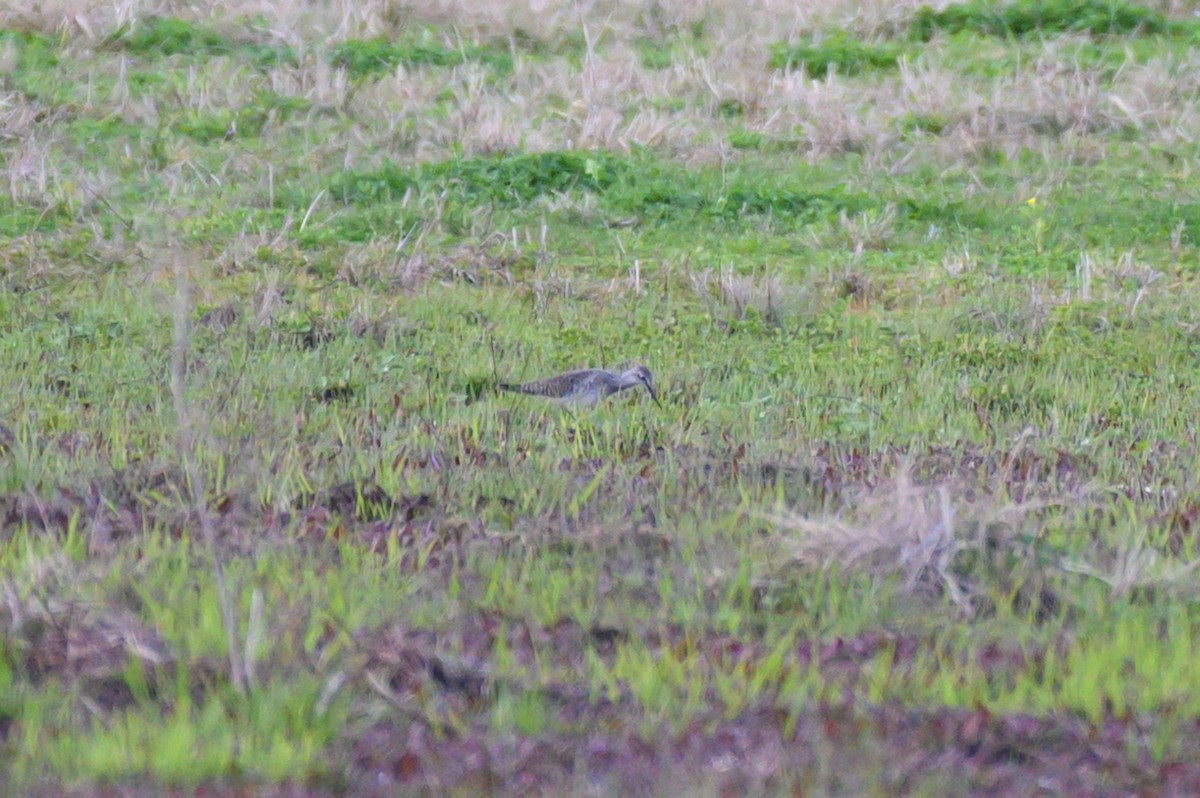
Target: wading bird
{"points": [[586, 387]]}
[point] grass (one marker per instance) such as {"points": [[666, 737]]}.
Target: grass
{"points": [[917, 514], [838, 52], [370, 56], [171, 36], [1039, 17]]}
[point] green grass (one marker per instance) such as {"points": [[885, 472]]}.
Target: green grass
{"points": [[171, 36], [923, 480], [370, 56], [1045, 17], [838, 52]]}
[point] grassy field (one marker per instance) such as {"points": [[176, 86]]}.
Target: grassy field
{"points": [[918, 515]]}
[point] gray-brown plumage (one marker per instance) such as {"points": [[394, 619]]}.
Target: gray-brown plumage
{"points": [[588, 386]]}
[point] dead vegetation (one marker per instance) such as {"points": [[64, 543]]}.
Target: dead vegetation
{"points": [[772, 300], [615, 102]]}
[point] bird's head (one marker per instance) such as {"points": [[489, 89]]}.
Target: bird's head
{"points": [[639, 374]]}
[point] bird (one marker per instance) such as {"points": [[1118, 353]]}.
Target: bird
{"points": [[586, 386]]}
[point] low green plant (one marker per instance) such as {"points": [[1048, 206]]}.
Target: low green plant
{"points": [[171, 36], [363, 57], [838, 52], [1043, 17]]}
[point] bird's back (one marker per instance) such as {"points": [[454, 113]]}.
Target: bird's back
{"points": [[583, 387]]}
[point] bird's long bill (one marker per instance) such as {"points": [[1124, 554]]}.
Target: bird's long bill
{"points": [[653, 395]]}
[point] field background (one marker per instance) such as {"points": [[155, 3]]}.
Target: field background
{"points": [[918, 286]]}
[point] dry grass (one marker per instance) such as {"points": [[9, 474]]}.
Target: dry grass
{"points": [[923, 532], [541, 19], [902, 527], [775, 301], [612, 101], [1137, 566]]}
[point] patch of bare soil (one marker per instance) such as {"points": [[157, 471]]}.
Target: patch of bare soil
{"points": [[825, 750], [606, 746], [87, 648]]}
